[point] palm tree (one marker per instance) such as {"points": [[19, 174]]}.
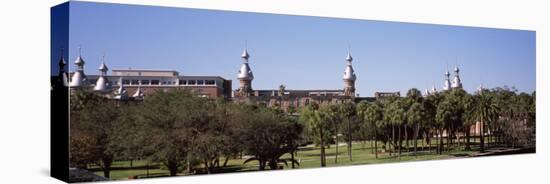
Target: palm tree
{"points": [[332, 113], [443, 117], [486, 111], [469, 118], [430, 110], [395, 115], [314, 120], [373, 115], [348, 112], [413, 96], [414, 116]]}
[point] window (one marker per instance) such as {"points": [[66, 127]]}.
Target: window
{"points": [[183, 82], [210, 82], [126, 82], [191, 82], [163, 82], [135, 82], [154, 82], [145, 82], [200, 82]]}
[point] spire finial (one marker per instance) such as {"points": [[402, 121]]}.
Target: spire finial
{"points": [[245, 54], [349, 58], [62, 59], [79, 50]]}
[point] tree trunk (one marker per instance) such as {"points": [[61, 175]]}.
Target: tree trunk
{"points": [[349, 138], [172, 167], [467, 142], [206, 166], [392, 139], [440, 144], [292, 158], [375, 147], [416, 137], [336, 156], [107, 161], [406, 137], [399, 143], [481, 136], [147, 167], [225, 161], [323, 164]]}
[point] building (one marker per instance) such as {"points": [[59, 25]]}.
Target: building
{"points": [[288, 99], [134, 84]]}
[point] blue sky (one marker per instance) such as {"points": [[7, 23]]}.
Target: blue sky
{"points": [[298, 51]]}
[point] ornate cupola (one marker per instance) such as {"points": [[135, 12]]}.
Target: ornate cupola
{"points": [[349, 77], [78, 79], [456, 80], [63, 79], [447, 83], [245, 76], [102, 84]]}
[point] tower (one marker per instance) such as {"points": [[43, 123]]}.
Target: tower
{"points": [[447, 83], [78, 79], [138, 95], [349, 77], [121, 93], [245, 76], [456, 80], [102, 84], [63, 79]]}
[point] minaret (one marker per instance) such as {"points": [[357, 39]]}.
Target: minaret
{"points": [[456, 80], [63, 79], [139, 93], [78, 79], [447, 84], [103, 85], [245, 76], [349, 77], [121, 93]]}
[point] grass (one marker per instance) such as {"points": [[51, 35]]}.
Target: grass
{"points": [[309, 157]]}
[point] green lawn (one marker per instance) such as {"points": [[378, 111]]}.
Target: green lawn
{"points": [[309, 157]]}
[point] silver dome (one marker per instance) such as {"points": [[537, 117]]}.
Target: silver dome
{"points": [[78, 79], [245, 73], [102, 84]]}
